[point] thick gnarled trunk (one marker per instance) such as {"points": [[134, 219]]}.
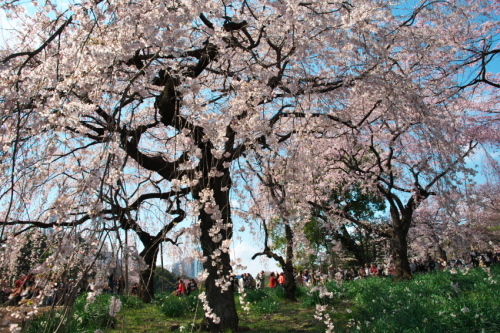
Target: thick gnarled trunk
{"points": [[146, 284], [399, 241], [219, 286], [399, 252]]}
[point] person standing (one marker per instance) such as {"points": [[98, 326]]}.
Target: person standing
{"points": [[272, 280], [305, 278], [260, 280], [281, 279], [181, 287], [192, 285]]}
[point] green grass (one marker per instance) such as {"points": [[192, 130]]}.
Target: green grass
{"points": [[174, 307], [147, 319], [434, 302]]}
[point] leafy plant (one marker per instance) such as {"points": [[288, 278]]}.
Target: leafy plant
{"points": [[265, 301], [86, 317], [432, 302], [131, 302], [178, 306]]}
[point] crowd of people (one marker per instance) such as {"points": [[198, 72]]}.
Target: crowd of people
{"points": [[314, 277], [27, 289]]}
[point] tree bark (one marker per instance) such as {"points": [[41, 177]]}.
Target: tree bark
{"points": [[290, 286], [146, 285], [399, 253], [399, 242], [442, 253], [359, 250], [219, 298]]}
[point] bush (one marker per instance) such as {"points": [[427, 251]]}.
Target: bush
{"points": [[254, 295], [48, 322], [301, 291], [266, 305], [84, 318], [93, 315], [131, 302], [311, 296], [178, 306], [265, 301]]}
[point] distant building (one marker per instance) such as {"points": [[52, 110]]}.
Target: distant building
{"points": [[115, 266], [191, 268]]}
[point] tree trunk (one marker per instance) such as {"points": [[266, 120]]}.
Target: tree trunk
{"points": [[219, 283], [360, 250], [290, 286], [146, 285], [442, 253], [399, 253], [399, 241]]}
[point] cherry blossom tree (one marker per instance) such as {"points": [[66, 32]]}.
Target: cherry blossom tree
{"points": [[273, 196], [123, 215], [452, 225], [175, 94]]}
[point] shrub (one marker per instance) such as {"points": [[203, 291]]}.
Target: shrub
{"points": [[266, 305], [255, 295], [265, 301], [131, 302], [311, 296], [48, 322], [84, 318], [92, 316], [178, 306]]}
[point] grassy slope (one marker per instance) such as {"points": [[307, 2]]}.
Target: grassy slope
{"points": [[147, 319], [435, 302], [291, 317]]}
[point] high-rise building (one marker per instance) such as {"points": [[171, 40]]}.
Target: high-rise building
{"points": [[190, 268]]}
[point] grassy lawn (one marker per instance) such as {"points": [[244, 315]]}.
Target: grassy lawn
{"points": [[290, 317], [463, 301], [147, 319], [468, 301]]}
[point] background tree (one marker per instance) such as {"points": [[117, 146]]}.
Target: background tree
{"points": [[279, 221], [356, 240], [112, 94], [452, 225]]}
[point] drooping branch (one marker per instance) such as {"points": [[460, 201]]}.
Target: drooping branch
{"points": [[370, 227], [34, 53]]}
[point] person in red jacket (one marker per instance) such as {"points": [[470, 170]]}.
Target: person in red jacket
{"points": [[272, 280], [181, 288], [281, 279]]}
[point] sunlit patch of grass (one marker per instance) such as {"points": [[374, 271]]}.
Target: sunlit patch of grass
{"points": [[433, 302], [146, 319], [289, 317]]}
